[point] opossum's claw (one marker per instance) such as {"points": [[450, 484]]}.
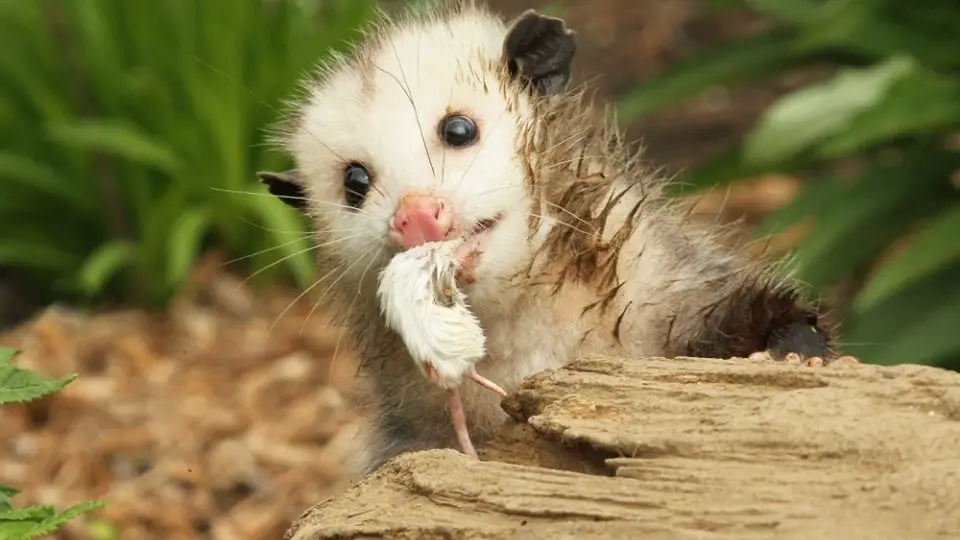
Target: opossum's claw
{"points": [[809, 361]]}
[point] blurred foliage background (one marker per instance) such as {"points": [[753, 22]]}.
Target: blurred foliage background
{"points": [[132, 130], [879, 144]]}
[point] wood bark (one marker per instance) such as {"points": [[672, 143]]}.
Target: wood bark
{"points": [[684, 448]]}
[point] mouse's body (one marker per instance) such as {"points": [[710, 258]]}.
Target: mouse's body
{"points": [[450, 122]]}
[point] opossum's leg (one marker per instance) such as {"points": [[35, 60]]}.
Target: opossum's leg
{"points": [[804, 337], [802, 343], [752, 314], [386, 435]]}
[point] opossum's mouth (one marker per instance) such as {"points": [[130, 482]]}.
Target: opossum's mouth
{"points": [[473, 239], [483, 226], [469, 251]]}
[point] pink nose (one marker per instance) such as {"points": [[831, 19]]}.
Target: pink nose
{"points": [[420, 219]]}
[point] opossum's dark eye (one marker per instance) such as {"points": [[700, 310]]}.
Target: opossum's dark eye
{"points": [[457, 130], [356, 184]]}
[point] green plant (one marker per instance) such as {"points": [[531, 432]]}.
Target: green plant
{"points": [[891, 109], [132, 131], [21, 385]]}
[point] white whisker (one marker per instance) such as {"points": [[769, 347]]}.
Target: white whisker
{"points": [[262, 251], [328, 289], [311, 248], [336, 348]]}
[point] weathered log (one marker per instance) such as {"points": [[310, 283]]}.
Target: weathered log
{"points": [[684, 448]]}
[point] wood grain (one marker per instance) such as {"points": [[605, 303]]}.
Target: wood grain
{"points": [[684, 448]]}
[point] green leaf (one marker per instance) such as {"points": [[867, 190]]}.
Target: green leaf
{"points": [[19, 385], [44, 180], [915, 324], [881, 28], [29, 254], [103, 265], [926, 337], [34, 513], [279, 217], [155, 102], [53, 523], [37, 521], [935, 247], [186, 237], [796, 121], [16, 530], [815, 195], [6, 492], [732, 63], [727, 167], [866, 216], [921, 103], [787, 11], [117, 138]]}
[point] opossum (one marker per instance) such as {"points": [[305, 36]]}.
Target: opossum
{"points": [[451, 121]]}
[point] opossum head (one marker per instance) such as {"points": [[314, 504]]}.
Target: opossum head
{"points": [[418, 136]]}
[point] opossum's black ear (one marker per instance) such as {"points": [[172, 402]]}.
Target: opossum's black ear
{"points": [[285, 186], [539, 50]]}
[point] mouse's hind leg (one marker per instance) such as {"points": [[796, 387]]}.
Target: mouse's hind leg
{"points": [[459, 419]]}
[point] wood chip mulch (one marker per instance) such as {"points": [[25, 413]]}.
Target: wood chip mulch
{"points": [[196, 423]]}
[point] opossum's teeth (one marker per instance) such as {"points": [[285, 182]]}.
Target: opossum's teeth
{"points": [[474, 237], [469, 249], [484, 225]]}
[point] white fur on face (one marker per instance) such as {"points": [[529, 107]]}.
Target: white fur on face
{"points": [[387, 118]]}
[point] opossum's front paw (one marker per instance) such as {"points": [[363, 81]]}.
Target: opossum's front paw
{"points": [[810, 361], [803, 342]]}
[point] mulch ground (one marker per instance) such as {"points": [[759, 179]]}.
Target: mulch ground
{"points": [[199, 422]]}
